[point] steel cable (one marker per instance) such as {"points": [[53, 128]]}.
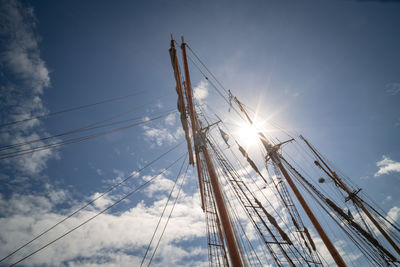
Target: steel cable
{"points": [[76, 140], [92, 201], [72, 109], [99, 213], [162, 213], [169, 216]]}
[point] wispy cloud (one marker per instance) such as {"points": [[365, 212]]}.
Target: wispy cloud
{"points": [[387, 199], [24, 77], [386, 166], [393, 88], [397, 123]]}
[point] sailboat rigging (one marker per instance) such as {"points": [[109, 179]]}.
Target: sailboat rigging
{"points": [[254, 216], [283, 241]]}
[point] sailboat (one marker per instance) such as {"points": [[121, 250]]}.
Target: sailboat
{"points": [[278, 215]]}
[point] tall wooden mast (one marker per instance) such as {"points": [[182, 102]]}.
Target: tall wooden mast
{"points": [[182, 106], [276, 158], [198, 137], [351, 195]]}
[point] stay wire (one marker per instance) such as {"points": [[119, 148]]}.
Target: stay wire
{"points": [[71, 141], [216, 88], [336, 220], [169, 216], [204, 65], [249, 176], [78, 130], [162, 214], [99, 213], [92, 201], [72, 109], [234, 210], [76, 140], [215, 77]]}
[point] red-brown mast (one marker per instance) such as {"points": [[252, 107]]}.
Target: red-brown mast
{"points": [[275, 157], [331, 174], [230, 240]]}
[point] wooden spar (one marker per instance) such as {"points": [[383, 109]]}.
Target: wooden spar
{"points": [[174, 60], [188, 89], [328, 243], [233, 251], [276, 158], [181, 100], [199, 175], [352, 196], [232, 246]]}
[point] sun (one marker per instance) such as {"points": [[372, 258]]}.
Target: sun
{"points": [[248, 134]]}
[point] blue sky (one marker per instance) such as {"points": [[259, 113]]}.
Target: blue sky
{"points": [[327, 69]]}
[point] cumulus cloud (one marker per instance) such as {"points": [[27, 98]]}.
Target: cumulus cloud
{"points": [[109, 240], [170, 119], [200, 92], [161, 135], [393, 214], [162, 184], [387, 166], [24, 77]]}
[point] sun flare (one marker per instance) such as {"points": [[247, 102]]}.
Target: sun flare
{"points": [[248, 134]]}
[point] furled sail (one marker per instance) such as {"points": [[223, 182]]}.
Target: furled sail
{"points": [[249, 160]]}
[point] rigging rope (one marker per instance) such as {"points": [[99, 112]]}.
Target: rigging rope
{"points": [[99, 213], [73, 109], [202, 63], [162, 213], [316, 258], [76, 140], [92, 201], [78, 130], [169, 216], [215, 87]]}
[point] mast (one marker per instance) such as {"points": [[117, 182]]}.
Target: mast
{"points": [[351, 195], [181, 107], [232, 245], [276, 158]]}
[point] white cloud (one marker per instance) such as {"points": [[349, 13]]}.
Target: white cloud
{"points": [[22, 55], [160, 136], [102, 202], [162, 184], [393, 214], [386, 166], [120, 174], [387, 199], [170, 119], [22, 94], [99, 172], [201, 91], [109, 240]]}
